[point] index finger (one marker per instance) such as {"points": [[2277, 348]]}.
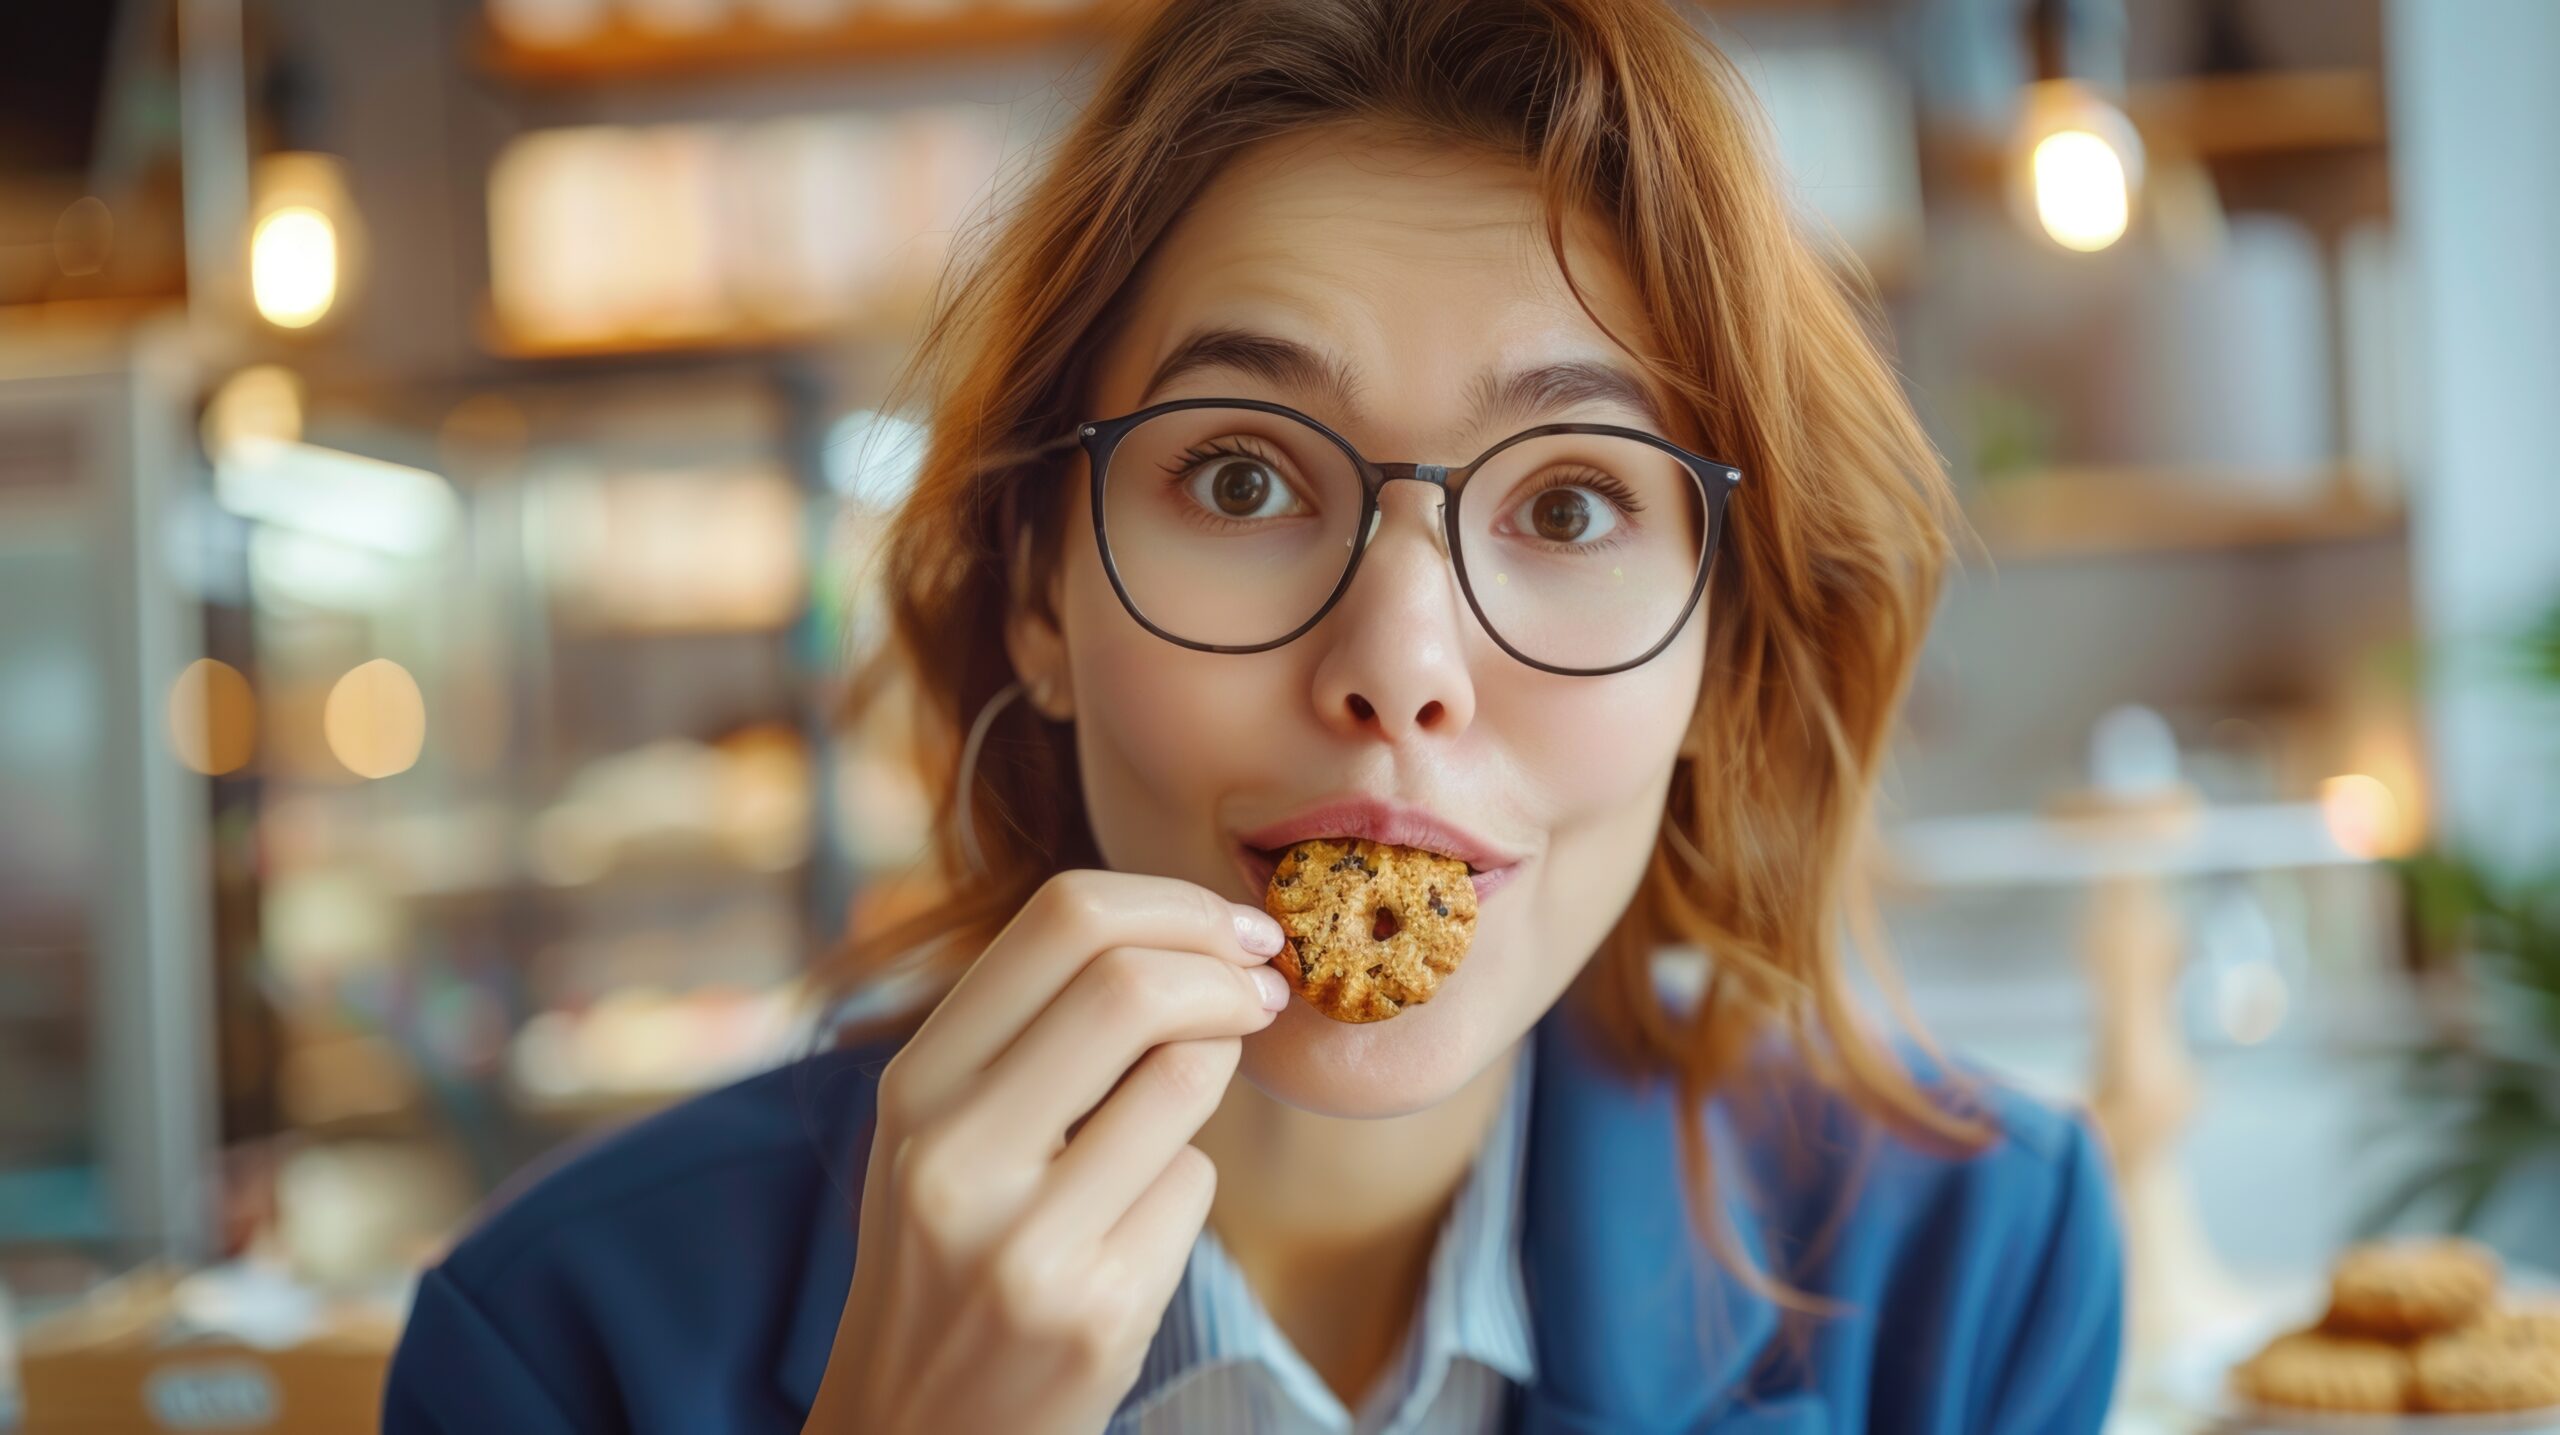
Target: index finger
{"points": [[1073, 916]]}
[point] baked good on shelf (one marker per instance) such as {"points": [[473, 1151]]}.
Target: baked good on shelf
{"points": [[2315, 1370], [2399, 1290]]}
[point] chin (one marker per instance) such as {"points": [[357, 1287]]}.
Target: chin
{"points": [[1370, 1070]]}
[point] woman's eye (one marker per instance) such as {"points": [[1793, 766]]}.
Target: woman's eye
{"points": [[1237, 487], [1567, 514]]}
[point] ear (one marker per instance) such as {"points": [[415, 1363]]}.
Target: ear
{"points": [[1032, 641]]}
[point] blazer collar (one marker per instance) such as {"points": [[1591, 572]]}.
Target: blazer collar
{"points": [[1640, 1329], [838, 1093]]}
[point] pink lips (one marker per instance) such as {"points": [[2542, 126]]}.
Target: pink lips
{"points": [[1378, 820]]}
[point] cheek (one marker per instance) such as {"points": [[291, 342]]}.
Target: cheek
{"points": [[1161, 730], [1593, 745], [1599, 753]]}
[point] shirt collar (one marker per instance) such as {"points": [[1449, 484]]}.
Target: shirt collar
{"points": [[1474, 1300]]}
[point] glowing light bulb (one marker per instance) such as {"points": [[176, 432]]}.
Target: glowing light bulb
{"points": [[2082, 197], [293, 266]]}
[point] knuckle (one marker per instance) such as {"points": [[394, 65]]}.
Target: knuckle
{"points": [[1195, 1070], [893, 1097], [930, 1179], [1099, 1345], [1074, 900], [931, 1234], [1125, 982], [1034, 1299]]}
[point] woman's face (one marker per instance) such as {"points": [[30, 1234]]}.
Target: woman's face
{"points": [[1423, 275]]}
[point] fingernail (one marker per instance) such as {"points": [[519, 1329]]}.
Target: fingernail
{"points": [[1256, 931], [1275, 988]]}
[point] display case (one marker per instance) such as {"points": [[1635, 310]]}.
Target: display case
{"points": [[106, 1121]]}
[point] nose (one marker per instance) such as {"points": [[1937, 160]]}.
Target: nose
{"points": [[1395, 657]]}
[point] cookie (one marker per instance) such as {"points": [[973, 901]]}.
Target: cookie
{"points": [[2504, 1361], [2400, 1290], [1372, 928], [2313, 1370], [2535, 1325]]}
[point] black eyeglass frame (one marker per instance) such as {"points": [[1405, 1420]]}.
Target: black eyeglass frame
{"points": [[1716, 481]]}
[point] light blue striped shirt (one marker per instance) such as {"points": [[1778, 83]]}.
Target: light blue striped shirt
{"points": [[1220, 1366]]}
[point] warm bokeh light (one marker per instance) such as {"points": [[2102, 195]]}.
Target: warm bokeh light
{"points": [[84, 237], [2363, 815], [259, 404], [2082, 197], [376, 720], [293, 266], [213, 718]]}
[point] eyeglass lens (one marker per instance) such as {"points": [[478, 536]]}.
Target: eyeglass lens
{"points": [[1231, 527]]}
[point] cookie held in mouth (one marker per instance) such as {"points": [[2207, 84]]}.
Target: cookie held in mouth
{"points": [[1372, 928]]}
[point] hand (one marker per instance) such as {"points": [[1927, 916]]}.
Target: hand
{"points": [[1032, 1194]]}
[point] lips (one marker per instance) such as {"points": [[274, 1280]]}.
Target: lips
{"points": [[1378, 820]]}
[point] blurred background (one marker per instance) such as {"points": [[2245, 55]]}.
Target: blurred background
{"points": [[439, 441]]}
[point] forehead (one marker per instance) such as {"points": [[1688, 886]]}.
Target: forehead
{"points": [[1422, 267]]}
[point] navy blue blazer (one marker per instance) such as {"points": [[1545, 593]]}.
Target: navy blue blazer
{"points": [[685, 1273]]}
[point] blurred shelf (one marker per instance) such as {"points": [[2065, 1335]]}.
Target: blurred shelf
{"points": [[607, 631], [893, 325], [2275, 112], [627, 880], [2284, 114], [57, 318], [623, 50], [597, 1107], [2026, 849], [745, 340], [2081, 512]]}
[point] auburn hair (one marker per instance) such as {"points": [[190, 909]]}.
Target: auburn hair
{"points": [[1835, 544]]}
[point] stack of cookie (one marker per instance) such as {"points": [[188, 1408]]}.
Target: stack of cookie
{"points": [[2416, 1325]]}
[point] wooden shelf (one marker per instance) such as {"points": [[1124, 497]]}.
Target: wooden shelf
{"points": [[498, 341], [2287, 114], [595, 1108], [2091, 512], [744, 340], [897, 317], [622, 50], [2277, 112]]}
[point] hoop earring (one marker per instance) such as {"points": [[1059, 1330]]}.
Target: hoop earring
{"points": [[963, 785]]}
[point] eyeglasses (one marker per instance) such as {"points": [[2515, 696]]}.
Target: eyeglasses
{"points": [[1235, 525]]}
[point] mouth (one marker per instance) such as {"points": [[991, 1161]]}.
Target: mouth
{"points": [[1489, 866]]}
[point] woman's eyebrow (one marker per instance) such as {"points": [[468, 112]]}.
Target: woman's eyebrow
{"points": [[1546, 388], [1284, 363], [1312, 373]]}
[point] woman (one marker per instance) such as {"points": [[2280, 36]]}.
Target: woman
{"points": [[1183, 569]]}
